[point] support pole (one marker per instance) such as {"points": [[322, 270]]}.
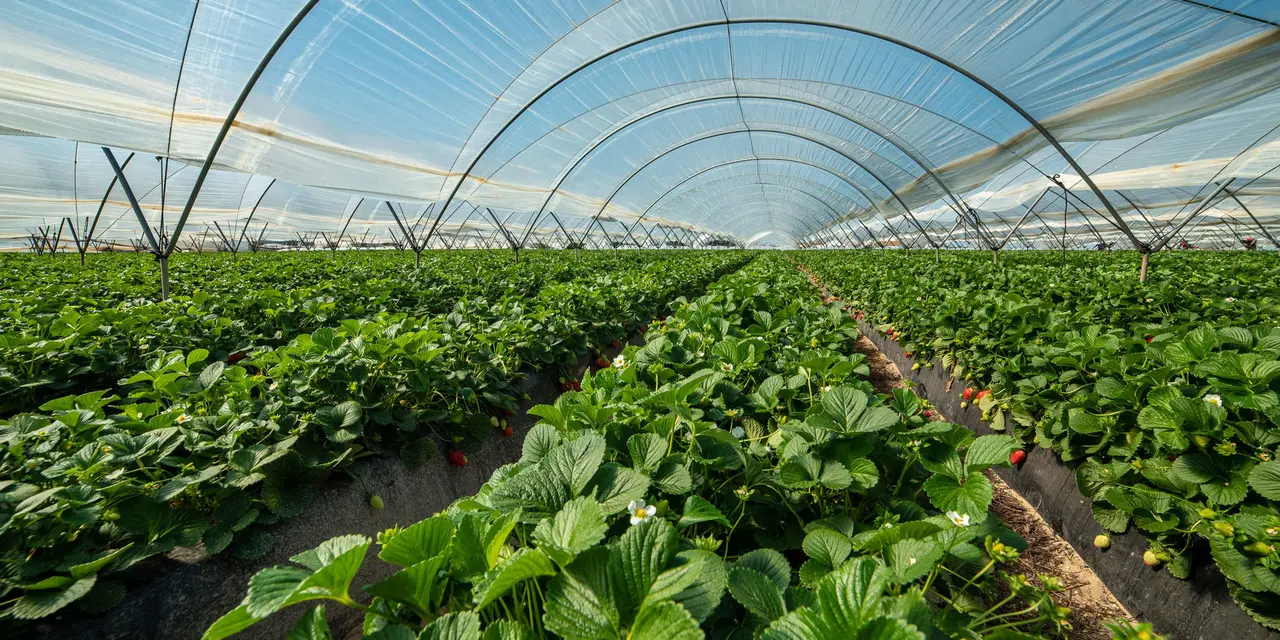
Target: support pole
{"points": [[1200, 209], [1142, 272], [1261, 228], [235, 111], [164, 277]]}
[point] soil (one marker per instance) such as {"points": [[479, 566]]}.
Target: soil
{"points": [[1047, 554]]}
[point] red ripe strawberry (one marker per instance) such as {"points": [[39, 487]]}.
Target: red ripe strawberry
{"points": [[982, 394], [236, 357], [644, 330], [1150, 338], [564, 386], [1172, 458], [1017, 457], [457, 458], [615, 345], [968, 393], [508, 412], [508, 432], [602, 363], [908, 354]]}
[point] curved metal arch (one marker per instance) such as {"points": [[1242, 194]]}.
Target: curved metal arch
{"points": [[740, 161], [1244, 16], [693, 101], [1044, 132], [231, 118], [778, 178], [686, 143], [791, 218], [835, 214], [786, 215], [833, 211], [253, 211], [895, 99]]}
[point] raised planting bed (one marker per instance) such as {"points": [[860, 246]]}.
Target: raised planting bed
{"points": [[186, 591], [1199, 607], [736, 475]]}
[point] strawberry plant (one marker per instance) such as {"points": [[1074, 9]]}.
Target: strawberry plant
{"points": [[734, 472], [1164, 396], [190, 450]]}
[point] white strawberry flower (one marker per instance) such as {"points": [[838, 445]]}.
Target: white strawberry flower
{"points": [[726, 367], [1214, 399], [738, 432], [640, 512], [958, 519], [1230, 299], [183, 419], [826, 389], [620, 362]]}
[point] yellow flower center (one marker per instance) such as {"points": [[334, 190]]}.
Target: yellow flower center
{"points": [[640, 513]]}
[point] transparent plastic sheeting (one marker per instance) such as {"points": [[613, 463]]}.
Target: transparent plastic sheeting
{"points": [[44, 181], [834, 113]]}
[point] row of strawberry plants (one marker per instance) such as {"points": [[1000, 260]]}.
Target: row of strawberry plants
{"points": [[1165, 397], [73, 332], [736, 474], [192, 450]]}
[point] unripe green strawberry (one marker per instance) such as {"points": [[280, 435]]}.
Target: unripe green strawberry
{"points": [[1102, 541], [376, 502], [493, 420], [1207, 513], [1224, 528], [1149, 558], [964, 405], [1259, 548]]}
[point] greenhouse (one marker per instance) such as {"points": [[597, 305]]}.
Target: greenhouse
{"points": [[642, 319]]}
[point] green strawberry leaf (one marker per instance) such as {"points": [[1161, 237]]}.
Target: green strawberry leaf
{"points": [[574, 529], [453, 626], [826, 546], [524, 564], [697, 510], [970, 498], [757, 593]]}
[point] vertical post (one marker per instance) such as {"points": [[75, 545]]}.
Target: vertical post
{"points": [[164, 277], [995, 257], [1142, 272], [1063, 268]]}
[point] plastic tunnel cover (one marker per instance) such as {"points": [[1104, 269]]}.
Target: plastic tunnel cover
{"points": [[469, 116]]}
